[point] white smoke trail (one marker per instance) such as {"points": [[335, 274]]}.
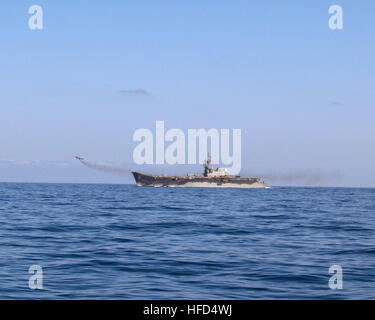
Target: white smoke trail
{"points": [[106, 168]]}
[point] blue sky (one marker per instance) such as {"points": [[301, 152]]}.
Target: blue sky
{"points": [[302, 94]]}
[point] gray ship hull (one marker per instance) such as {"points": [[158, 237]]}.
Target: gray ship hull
{"points": [[196, 181]]}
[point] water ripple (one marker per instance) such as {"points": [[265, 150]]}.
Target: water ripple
{"points": [[123, 242]]}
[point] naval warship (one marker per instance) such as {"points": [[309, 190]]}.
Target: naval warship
{"points": [[211, 178]]}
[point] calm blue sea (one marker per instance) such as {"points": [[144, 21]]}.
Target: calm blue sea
{"points": [[124, 242]]}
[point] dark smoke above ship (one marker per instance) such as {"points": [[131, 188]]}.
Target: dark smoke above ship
{"points": [[211, 178]]}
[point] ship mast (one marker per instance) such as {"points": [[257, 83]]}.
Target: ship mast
{"points": [[207, 167]]}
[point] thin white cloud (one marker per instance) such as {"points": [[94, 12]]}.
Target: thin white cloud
{"points": [[9, 162], [141, 92]]}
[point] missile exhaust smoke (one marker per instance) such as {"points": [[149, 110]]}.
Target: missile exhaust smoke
{"points": [[105, 168]]}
